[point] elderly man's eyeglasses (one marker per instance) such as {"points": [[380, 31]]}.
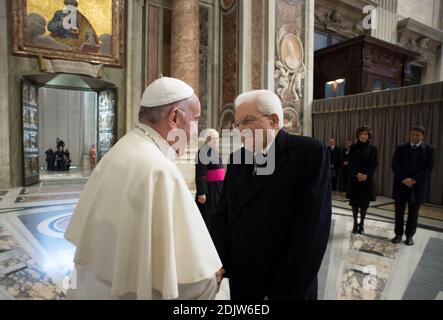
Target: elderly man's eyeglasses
{"points": [[248, 120]]}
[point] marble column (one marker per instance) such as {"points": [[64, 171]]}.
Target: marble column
{"points": [[134, 85], [5, 168], [269, 81], [185, 42], [245, 47], [308, 94]]}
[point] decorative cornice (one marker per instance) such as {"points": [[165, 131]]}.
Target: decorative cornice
{"points": [[419, 29], [421, 38], [359, 4], [343, 17]]}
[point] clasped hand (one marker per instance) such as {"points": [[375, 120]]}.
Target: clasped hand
{"points": [[409, 182]]}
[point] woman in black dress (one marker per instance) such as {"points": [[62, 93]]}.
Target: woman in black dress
{"points": [[362, 164], [209, 175]]}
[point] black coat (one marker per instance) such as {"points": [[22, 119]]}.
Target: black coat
{"points": [[417, 165], [335, 157], [362, 159], [271, 231]]}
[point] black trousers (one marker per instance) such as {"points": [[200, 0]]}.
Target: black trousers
{"points": [[411, 224], [334, 179], [345, 179]]}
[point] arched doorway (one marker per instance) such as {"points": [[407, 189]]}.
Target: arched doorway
{"points": [[80, 111]]}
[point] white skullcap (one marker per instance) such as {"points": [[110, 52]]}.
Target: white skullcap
{"points": [[165, 91]]}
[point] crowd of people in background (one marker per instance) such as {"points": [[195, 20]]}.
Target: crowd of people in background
{"points": [[353, 171], [60, 159]]}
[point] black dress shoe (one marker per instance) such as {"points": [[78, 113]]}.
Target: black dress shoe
{"points": [[355, 229], [397, 239], [361, 229], [409, 241]]}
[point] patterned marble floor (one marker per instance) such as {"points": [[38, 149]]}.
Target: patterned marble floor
{"points": [[75, 173], [35, 260], [431, 216]]}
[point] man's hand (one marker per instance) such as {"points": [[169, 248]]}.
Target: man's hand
{"points": [[409, 182], [362, 177], [219, 277], [201, 199]]}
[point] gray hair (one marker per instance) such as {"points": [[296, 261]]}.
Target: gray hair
{"points": [[267, 103], [210, 133], [153, 115]]}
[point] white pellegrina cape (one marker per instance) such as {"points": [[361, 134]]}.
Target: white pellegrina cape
{"points": [[137, 229]]}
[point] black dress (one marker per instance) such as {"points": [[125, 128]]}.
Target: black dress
{"points": [[334, 155], [362, 159], [344, 185], [209, 176]]}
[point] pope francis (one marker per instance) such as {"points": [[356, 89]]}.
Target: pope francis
{"points": [[137, 230]]}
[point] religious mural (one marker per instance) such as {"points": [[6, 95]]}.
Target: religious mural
{"points": [[71, 29]]}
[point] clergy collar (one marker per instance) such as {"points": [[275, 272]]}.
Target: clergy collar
{"points": [[159, 141]]}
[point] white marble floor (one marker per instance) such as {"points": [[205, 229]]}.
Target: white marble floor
{"points": [[35, 260]]}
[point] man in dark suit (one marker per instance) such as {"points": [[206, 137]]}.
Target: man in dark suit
{"points": [[412, 165], [344, 163], [334, 155], [273, 221]]}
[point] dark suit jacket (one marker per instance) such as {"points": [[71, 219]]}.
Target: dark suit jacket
{"points": [[271, 232], [417, 165], [335, 157], [344, 157]]}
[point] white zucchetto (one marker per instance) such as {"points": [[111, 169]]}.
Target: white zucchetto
{"points": [[165, 91]]}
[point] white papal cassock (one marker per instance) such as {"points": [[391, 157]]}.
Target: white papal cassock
{"points": [[137, 230]]}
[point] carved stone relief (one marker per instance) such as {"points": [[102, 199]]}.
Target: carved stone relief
{"points": [[291, 121], [333, 20], [422, 45], [289, 66]]}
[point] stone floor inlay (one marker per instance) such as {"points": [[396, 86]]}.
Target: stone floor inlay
{"points": [[35, 258]]}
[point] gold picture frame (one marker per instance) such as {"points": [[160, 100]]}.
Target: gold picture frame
{"points": [[45, 33]]}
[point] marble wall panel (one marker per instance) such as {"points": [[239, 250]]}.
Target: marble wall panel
{"points": [[152, 47], [257, 44], [229, 56]]}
